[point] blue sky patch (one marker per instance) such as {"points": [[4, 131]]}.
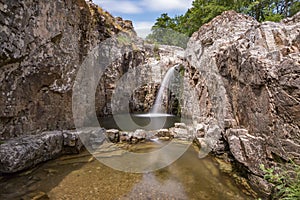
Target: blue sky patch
{"points": [[143, 13]]}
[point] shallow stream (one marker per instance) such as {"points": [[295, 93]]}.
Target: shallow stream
{"points": [[83, 177]]}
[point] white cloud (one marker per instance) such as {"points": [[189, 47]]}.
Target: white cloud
{"points": [[126, 7], [134, 7], [143, 28], [166, 5]]}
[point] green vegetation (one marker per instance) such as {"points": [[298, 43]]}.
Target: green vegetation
{"points": [[286, 182], [124, 39], [175, 31], [156, 51], [156, 47], [167, 36]]}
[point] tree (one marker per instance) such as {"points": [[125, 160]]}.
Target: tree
{"points": [[202, 11], [168, 31], [167, 36]]}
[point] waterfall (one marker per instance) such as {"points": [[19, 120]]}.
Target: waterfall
{"points": [[158, 104]]}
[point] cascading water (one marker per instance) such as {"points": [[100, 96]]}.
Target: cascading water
{"points": [[158, 117], [158, 104]]}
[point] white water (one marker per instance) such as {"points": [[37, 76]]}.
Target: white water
{"points": [[154, 115], [158, 104]]}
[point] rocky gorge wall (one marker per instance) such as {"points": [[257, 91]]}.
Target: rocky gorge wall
{"points": [[247, 75], [42, 46], [145, 62]]}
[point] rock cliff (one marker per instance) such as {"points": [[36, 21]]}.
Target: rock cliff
{"points": [[248, 77], [42, 45]]}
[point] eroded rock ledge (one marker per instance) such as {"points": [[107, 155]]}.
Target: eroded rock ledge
{"points": [[27, 151]]}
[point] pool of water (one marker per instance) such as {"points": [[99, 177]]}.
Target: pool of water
{"points": [[132, 122], [83, 177]]}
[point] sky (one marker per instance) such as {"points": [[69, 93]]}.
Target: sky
{"points": [[143, 13]]}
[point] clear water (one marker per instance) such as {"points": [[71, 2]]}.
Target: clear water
{"points": [[132, 122], [83, 177]]}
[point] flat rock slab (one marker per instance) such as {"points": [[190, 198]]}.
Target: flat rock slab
{"points": [[25, 152]]}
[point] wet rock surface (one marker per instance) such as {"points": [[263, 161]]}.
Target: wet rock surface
{"points": [[247, 76]]}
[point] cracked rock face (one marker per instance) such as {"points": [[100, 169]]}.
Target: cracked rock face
{"points": [[248, 74], [42, 45], [42, 48]]}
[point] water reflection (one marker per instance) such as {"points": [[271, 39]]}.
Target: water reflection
{"points": [[156, 187]]}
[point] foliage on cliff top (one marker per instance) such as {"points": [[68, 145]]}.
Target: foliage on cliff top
{"points": [[202, 11]]}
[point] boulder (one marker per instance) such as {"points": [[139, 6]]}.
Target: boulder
{"points": [[180, 133], [200, 130], [139, 134], [247, 149], [72, 142], [93, 138], [124, 137], [180, 125], [163, 133], [113, 135], [24, 152]]}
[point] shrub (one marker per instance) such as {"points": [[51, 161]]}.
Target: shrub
{"points": [[286, 181]]}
